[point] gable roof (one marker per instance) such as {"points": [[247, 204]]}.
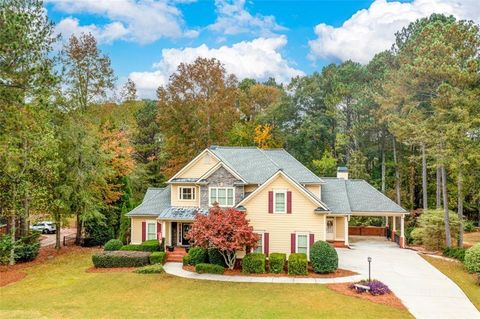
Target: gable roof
{"points": [[312, 197], [256, 166], [353, 195]]}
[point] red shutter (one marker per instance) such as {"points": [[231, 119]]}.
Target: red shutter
{"points": [[270, 202], [312, 240], [292, 243], [144, 231], [266, 243], [289, 202], [159, 231]]}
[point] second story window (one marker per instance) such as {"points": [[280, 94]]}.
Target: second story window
{"points": [[224, 196], [280, 198], [186, 193]]}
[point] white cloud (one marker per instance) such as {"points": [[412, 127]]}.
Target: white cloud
{"points": [[372, 30], [258, 59], [142, 21], [104, 34], [233, 18]]}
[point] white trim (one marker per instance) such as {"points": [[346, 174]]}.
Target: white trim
{"points": [[194, 193], [217, 166], [192, 162], [345, 221], [295, 184], [308, 242], [334, 228], [226, 195], [275, 192], [262, 235]]}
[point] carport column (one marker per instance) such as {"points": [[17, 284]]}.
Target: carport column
{"points": [[394, 227], [402, 234], [346, 229]]}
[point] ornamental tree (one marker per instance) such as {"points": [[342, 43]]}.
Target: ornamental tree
{"points": [[224, 229]]}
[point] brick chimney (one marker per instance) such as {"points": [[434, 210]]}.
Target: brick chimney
{"points": [[342, 172]]}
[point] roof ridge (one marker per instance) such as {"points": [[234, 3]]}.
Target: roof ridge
{"points": [[295, 159], [270, 159]]}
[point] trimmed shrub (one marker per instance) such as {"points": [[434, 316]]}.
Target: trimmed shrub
{"points": [[158, 257], [472, 259], [215, 257], [197, 255], [276, 262], [186, 260], [148, 245], [297, 264], [203, 268], [455, 252], [253, 263], [110, 259], [150, 269], [324, 258], [113, 244]]}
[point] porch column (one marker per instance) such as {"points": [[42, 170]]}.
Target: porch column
{"points": [[164, 232], [346, 230], [394, 226], [324, 227], [402, 229]]}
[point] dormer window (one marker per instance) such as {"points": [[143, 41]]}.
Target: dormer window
{"points": [[186, 193]]}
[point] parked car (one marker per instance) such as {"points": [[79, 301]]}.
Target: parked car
{"points": [[45, 227]]}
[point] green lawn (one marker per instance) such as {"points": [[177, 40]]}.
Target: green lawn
{"points": [[61, 288], [456, 272]]}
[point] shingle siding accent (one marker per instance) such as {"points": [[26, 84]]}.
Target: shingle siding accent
{"points": [[220, 178]]}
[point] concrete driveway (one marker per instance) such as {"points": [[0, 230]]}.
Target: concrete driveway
{"points": [[424, 290]]}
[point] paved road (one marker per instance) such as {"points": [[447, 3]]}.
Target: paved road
{"points": [[424, 290], [49, 239]]}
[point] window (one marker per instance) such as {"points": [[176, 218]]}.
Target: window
{"points": [[224, 196], [187, 193], [259, 248], [280, 200], [302, 243], [151, 231]]}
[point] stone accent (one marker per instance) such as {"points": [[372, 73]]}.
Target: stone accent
{"points": [[221, 178]]}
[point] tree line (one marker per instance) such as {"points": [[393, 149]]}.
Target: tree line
{"points": [[71, 146]]}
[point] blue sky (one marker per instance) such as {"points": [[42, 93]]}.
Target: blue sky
{"points": [[146, 39]]}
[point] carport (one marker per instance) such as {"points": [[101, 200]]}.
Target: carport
{"points": [[355, 197]]}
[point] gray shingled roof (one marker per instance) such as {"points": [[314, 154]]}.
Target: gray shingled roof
{"points": [[347, 196], [255, 165], [154, 202]]}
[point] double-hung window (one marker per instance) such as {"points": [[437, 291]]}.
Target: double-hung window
{"points": [[224, 196], [151, 231], [259, 248], [302, 243], [186, 193], [280, 201]]}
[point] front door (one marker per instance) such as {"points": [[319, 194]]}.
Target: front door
{"points": [[330, 228], [185, 229]]}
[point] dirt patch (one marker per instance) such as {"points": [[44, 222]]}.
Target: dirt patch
{"points": [[10, 274], [311, 274], [102, 270], [387, 299]]}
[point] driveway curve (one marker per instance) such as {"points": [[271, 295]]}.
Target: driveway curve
{"points": [[424, 290]]}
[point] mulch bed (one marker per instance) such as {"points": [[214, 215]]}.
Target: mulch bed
{"points": [[387, 299], [103, 270], [311, 274], [11, 274]]}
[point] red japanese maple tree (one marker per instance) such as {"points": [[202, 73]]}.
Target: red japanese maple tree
{"points": [[224, 229]]}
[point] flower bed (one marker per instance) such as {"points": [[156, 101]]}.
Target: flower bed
{"points": [[387, 299]]}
